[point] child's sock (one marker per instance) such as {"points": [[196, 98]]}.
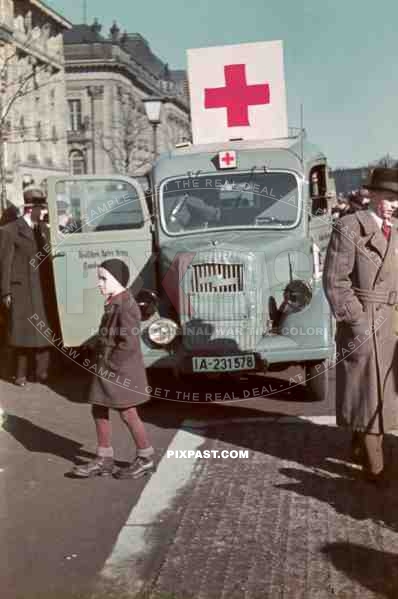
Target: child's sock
{"points": [[145, 453], [105, 452]]}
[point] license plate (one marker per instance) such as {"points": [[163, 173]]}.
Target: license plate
{"points": [[223, 364]]}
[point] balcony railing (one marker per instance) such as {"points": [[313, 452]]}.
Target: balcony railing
{"points": [[78, 135]]}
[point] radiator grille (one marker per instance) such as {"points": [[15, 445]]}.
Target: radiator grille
{"points": [[217, 278]]}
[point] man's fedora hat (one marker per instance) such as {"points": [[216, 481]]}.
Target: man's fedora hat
{"points": [[383, 179], [34, 196]]}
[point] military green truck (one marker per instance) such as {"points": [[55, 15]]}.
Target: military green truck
{"points": [[225, 247]]}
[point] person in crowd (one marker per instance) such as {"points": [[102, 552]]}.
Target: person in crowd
{"points": [[10, 214], [66, 223], [356, 202], [340, 208], [335, 211], [361, 284], [119, 380], [365, 197], [63, 215], [25, 287]]}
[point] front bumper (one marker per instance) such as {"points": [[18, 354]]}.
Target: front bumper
{"points": [[272, 349]]}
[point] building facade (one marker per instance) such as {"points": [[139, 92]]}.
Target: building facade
{"points": [[107, 80], [33, 123]]}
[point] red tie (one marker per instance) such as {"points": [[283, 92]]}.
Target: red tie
{"points": [[386, 229]]}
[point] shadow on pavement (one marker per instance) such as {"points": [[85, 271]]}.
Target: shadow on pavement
{"points": [[373, 569], [324, 470], [313, 459], [72, 382], [233, 509], [37, 439]]}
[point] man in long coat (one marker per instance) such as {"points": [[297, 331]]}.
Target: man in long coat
{"points": [[26, 287], [361, 284]]}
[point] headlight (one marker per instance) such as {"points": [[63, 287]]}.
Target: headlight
{"points": [[297, 295], [162, 331], [147, 301]]}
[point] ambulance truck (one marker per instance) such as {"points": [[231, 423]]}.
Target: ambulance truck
{"points": [[225, 250]]}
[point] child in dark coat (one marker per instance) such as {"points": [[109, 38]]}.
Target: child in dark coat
{"points": [[120, 379]]}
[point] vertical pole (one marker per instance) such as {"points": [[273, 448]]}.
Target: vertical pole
{"points": [[155, 140], [301, 131], [91, 94], [85, 12]]}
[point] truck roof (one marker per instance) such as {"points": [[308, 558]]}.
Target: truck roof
{"points": [[290, 152]]}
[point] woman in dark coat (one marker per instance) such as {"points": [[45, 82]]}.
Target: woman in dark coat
{"points": [[120, 379]]}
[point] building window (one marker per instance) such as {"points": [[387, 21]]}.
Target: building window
{"points": [[77, 163], [75, 115]]}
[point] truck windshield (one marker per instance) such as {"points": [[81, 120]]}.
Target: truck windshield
{"points": [[252, 199]]}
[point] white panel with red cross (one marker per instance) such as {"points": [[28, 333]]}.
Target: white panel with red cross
{"points": [[237, 92], [227, 159]]}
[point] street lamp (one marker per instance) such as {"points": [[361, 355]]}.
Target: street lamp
{"points": [[153, 109]]}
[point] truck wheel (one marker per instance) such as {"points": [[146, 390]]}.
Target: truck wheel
{"points": [[317, 380]]}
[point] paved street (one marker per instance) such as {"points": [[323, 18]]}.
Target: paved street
{"points": [[291, 520]]}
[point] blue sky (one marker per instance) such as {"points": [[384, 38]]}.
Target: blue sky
{"points": [[341, 57]]}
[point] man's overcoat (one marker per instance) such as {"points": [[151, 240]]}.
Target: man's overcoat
{"points": [[361, 284], [119, 379], [28, 278]]}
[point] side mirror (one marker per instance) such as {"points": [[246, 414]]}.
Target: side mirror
{"points": [[148, 302]]}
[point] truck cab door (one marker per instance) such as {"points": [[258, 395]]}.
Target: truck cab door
{"points": [[91, 219]]}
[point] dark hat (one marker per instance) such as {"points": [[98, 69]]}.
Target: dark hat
{"points": [[383, 179], [118, 269], [33, 196]]}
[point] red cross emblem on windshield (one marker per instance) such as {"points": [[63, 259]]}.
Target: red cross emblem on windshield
{"points": [[237, 96]]}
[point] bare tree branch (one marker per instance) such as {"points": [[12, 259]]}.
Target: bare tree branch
{"points": [[19, 93], [26, 46], [126, 140], [9, 95]]}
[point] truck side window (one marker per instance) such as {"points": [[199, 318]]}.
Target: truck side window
{"points": [[318, 191], [99, 205]]}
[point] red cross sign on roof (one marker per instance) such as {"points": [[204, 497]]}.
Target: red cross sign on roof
{"points": [[237, 96], [237, 92], [227, 159]]}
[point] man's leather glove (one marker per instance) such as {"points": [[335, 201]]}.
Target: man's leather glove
{"points": [[7, 301]]}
